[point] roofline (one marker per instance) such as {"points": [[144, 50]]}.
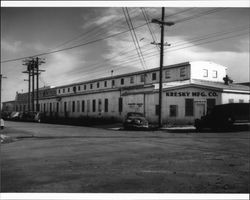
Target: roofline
{"points": [[124, 75]]}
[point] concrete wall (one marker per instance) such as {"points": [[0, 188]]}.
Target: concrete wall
{"points": [[237, 98], [198, 67]]}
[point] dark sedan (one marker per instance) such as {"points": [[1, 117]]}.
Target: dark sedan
{"points": [[136, 121]]}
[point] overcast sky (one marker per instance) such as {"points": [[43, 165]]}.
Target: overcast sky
{"points": [[220, 35]]}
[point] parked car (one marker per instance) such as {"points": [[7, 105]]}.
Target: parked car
{"points": [[2, 123], [31, 116], [135, 120], [225, 116], [15, 116], [5, 115]]}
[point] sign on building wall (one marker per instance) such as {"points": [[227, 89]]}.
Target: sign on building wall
{"points": [[192, 94]]}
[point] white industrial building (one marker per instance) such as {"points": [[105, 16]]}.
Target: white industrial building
{"points": [[190, 89]]}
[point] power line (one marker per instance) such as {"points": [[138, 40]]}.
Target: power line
{"points": [[150, 55], [94, 29], [136, 40], [72, 47], [133, 58], [200, 15]]}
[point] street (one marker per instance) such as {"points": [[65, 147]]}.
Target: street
{"points": [[61, 158]]}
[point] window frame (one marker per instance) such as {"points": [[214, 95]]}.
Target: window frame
{"points": [[205, 72], [154, 76]]}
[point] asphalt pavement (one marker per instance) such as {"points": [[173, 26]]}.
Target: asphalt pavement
{"points": [[62, 158]]}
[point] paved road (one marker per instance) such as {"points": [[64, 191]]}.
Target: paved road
{"points": [[59, 158]]}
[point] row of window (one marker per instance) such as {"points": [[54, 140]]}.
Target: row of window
{"points": [[93, 105], [122, 81], [189, 108], [214, 73], [84, 106]]}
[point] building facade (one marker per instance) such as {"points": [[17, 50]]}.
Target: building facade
{"points": [[190, 90]]}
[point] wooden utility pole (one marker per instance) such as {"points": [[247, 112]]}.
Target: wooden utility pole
{"points": [[33, 70], [161, 66], [33, 86], [1, 76], [37, 63], [162, 23]]}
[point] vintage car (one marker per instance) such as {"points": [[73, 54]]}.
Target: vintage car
{"points": [[135, 120], [225, 117], [31, 116]]}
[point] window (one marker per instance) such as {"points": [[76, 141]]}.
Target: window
{"points": [[113, 82], [73, 106], [79, 87], [214, 74], [131, 79], [153, 76], [93, 105], [156, 109], [173, 110], [106, 105], [68, 89], [78, 106], [99, 105], [88, 105], [83, 106], [167, 74], [57, 107], [142, 78], [91, 86], [50, 107], [210, 104], [241, 100], [205, 73], [182, 72], [97, 84], [105, 83], [63, 90], [120, 104], [65, 106], [74, 89], [59, 91], [122, 81], [189, 107], [85, 87], [230, 100], [44, 107]]}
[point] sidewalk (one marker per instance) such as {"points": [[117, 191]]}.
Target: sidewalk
{"points": [[181, 129]]}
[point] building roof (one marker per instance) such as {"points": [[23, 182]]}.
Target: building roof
{"points": [[207, 84], [126, 74], [221, 85]]}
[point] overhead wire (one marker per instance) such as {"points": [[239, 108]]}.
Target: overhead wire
{"points": [[134, 58], [133, 35], [150, 55], [149, 27], [72, 47]]}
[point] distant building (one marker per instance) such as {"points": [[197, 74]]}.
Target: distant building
{"points": [[190, 89]]}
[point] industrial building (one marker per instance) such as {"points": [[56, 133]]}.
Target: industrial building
{"points": [[190, 90]]}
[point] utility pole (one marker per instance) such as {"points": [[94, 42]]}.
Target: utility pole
{"points": [[37, 63], [33, 86], [162, 24], [33, 70], [1, 76]]}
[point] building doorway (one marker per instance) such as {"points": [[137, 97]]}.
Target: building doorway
{"points": [[199, 110]]}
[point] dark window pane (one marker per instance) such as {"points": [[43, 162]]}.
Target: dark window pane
{"points": [[189, 107]]}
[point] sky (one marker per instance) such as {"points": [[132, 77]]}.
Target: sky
{"points": [[104, 42]]}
